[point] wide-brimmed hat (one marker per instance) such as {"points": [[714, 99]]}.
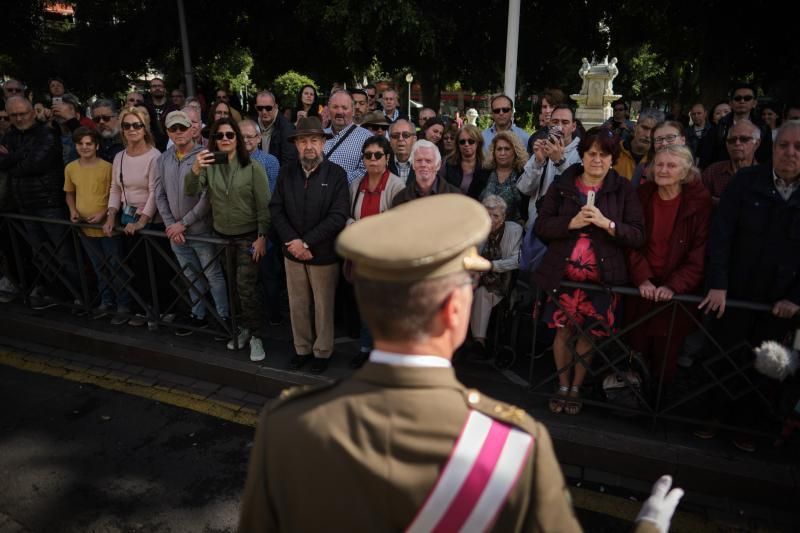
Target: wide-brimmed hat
{"points": [[309, 126], [375, 118]]}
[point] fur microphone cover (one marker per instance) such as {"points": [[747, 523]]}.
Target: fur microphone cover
{"points": [[775, 360]]}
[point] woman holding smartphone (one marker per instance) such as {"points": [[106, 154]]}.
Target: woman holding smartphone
{"points": [[240, 197]]}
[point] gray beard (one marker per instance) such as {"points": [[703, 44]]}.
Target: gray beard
{"points": [[310, 164]]}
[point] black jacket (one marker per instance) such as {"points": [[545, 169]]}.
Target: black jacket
{"points": [[712, 147], [279, 144], [618, 202], [410, 192], [754, 247], [35, 165], [454, 175], [313, 209], [110, 147]]}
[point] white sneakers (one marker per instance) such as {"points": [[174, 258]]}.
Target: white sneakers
{"points": [[256, 350], [8, 290], [243, 336]]}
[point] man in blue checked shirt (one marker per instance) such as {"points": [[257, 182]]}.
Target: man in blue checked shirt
{"points": [[252, 136], [344, 148]]}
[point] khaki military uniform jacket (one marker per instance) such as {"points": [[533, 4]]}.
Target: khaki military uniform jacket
{"points": [[363, 455]]}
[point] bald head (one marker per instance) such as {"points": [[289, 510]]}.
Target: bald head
{"points": [[20, 112]]}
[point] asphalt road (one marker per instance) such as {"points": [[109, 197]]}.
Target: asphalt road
{"points": [[79, 458]]}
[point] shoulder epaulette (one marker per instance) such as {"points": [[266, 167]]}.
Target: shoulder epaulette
{"points": [[501, 411]]}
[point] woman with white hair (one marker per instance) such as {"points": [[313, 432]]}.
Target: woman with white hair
{"points": [[677, 209], [502, 249]]}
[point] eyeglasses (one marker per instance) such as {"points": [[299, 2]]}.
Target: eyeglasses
{"points": [[22, 114], [104, 118], [665, 139], [219, 135], [136, 102], [377, 127], [265, 107], [403, 134], [13, 89], [744, 139], [134, 125], [373, 155], [745, 97], [252, 137], [498, 110], [177, 127], [462, 142]]}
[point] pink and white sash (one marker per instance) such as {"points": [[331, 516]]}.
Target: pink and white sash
{"points": [[482, 469]]}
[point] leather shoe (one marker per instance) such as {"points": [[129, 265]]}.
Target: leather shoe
{"points": [[319, 365], [298, 361]]}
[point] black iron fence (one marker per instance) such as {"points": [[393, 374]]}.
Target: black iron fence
{"points": [[49, 262]]}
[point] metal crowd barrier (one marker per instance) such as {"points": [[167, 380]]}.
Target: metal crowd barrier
{"points": [[61, 262]]}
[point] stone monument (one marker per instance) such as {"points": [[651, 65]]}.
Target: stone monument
{"points": [[597, 91]]}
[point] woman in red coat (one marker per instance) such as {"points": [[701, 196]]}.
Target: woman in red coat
{"points": [[677, 208]]}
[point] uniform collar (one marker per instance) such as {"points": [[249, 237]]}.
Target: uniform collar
{"points": [[417, 361], [396, 376]]}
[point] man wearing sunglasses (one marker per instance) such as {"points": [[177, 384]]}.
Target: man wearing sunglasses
{"points": [[402, 137], [106, 119], [743, 106], [189, 215], [743, 140], [275, 129], [13, 87], [503, 116]]}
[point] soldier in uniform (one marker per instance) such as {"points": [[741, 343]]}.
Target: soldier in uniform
{"points": [[402, 444]]}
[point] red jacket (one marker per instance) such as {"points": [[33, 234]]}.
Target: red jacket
{"points": [[683, 271]]}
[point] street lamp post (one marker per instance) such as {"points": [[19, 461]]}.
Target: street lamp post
{"points": [[409, 79]]}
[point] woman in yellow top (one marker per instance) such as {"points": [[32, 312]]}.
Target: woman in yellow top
{"points": [[87, 182]]}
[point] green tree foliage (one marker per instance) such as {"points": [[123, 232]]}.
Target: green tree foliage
{"points": [[287, 85]]}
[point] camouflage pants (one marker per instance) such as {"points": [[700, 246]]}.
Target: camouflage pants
{"points": [[247, 289]]}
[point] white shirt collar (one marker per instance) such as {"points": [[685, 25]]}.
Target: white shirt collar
{"points": [[419, 361]]}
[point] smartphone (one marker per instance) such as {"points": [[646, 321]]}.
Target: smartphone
{"points": [[220, 158], [57, 100], [555, 132], [590, 199]]}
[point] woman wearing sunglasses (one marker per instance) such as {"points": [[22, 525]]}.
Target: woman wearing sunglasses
{"points": [[464, 167], [372, 195], [132, 195], [239, 193]]}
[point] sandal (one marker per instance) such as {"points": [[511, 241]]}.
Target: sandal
{"points": [[574, 404], [558, 400]]}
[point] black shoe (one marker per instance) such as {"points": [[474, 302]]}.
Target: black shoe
{"points": [[194, 322], [319, 365], [359, 360], [298, 361]]}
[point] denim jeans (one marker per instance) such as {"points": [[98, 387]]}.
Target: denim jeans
{"points": [[46, 239], [202, 268], [105, 254]]}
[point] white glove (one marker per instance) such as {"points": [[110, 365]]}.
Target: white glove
{"points": [[661, 504]]}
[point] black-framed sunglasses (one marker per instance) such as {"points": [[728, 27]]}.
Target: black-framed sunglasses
{"points": [[219, 135], [104, 118], [498, 110], [403, 134], [265, 108], [377, 127], [134, 125], [745, 97], [177, 127], [462, 142], [373, 155]]}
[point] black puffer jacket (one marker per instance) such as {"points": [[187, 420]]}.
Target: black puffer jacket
{"points": [[313, 209], [35, 167]]}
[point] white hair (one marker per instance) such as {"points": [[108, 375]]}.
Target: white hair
{"points": [[424, 144]]}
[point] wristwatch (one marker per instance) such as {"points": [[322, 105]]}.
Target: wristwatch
{"points": [[305, 245], [611, 225]]}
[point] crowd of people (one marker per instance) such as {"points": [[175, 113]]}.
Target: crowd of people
{"points": [[705, 204]]}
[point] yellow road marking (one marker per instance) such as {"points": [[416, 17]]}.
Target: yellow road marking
{"points": [[183, 399]]}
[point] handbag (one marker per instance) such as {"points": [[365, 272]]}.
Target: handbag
{"points": [[531, 252]]}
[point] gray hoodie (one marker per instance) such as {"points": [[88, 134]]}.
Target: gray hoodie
{"points": [[175, 205]]}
